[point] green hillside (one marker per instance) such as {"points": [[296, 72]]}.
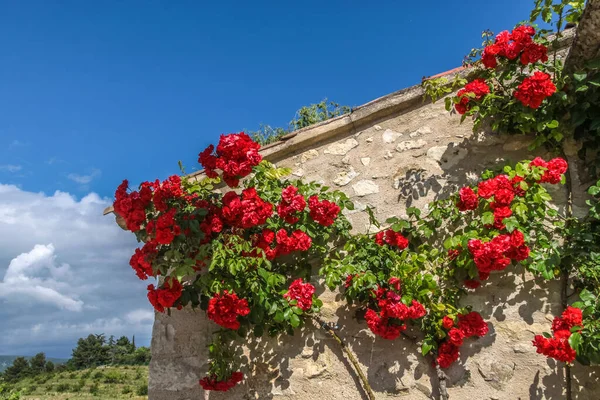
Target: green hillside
{"points": [[101, 383]]}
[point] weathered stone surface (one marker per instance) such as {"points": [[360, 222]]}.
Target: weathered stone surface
{"points": [[345, 177], [299, 173], [388, 155], [424, 130], [309, 155], [377, 128], [410, 145], [341, 148], [365, 161], [390, 136], [365, 187], [448, 156], [495, 370]]}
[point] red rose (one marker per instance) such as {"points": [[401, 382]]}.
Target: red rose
{"points": [[447, 322], [225, 308], [447, 354], [468, 199], [534, 89], [456, 336], [213, 383], [323, 212], [302, 293]]}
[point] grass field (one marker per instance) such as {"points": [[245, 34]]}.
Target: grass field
{"points": [[103, 383]]}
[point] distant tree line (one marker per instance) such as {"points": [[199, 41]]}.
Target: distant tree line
{"points": [[92, 351]]}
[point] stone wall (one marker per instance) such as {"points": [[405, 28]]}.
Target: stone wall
{"points": [[394, 152]]}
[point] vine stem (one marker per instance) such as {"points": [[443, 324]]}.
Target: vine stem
{"points": [[441, 376], [565, 272], [350, 356]]}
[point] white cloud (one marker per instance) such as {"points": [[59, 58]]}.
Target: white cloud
{"points": [[85, 179], [24, 276], [86, 267], [10, 168], [139, 316]]}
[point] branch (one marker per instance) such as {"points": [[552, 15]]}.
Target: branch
{"points": [[326, 327], [441, 376], [565, 270]]}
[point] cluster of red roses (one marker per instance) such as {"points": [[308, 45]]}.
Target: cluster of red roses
{"points": [[291, 204], [302, 293], [389, 321], [468, 325], [165, 296], [323, 212], [497, 254], [472, 92], [555, 169], [557, 346], [224, 309], [283, 243], [236, 155], [391, 238], [503, 191], [213, 382], [141, 261], [246, 211], [512, 44], [534, 89], [132, 206]]}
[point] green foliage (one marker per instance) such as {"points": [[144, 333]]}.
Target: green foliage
{"points": [[95, 350], [304, 117], [94, 389], [572, 111], [63, 387], [437, 88], [142, 389], [49, 366], [583, 112], [114, 377], [18, 370], [557, 12], [315, 113]]}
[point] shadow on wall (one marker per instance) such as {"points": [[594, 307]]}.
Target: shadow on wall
{"points": [[462, 162]]}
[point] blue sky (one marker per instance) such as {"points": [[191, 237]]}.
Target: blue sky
{"points": [[95, 92]]}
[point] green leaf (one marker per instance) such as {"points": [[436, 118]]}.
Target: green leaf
{"points": [[410, 211], [580, 76], [553, 124], [586, 296], [426, 348], [582, 88], [278, 317], [487, 218], [294, 320], [511, 223], [575, 341]]}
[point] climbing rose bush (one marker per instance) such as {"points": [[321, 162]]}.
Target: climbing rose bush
{"points": [[511, 87], [557, 345], [240, 256], [236, 255]]}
